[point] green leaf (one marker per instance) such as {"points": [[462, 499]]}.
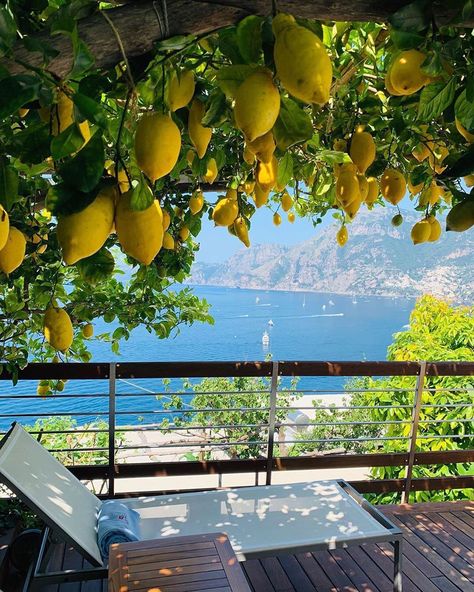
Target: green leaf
{"points": [[90, 109], [229, 46], [413, 17], [462, 167], [435, 98], [216, 109], [432, 66], [249, 38], [464, 110], [470, 88], [34, 144], [97, 267], [312, 25], [175, 43], [285, 169], [33, 44], [334, 156], [7, 29], [229, 78], [16, 91], [67, 142], [8, 185], [405, 39], [64, 200], [83, 58], [141, 197], [85, 169], [293, 125]]}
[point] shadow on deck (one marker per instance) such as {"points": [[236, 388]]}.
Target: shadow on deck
{"points": [[438, 557]]}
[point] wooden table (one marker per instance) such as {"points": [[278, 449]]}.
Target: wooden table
{"points": [[178, 564]]}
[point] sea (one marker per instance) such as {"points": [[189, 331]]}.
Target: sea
{"points": [[250, 325]]}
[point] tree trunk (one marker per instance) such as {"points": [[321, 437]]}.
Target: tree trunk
{"points": [[139, 24]]}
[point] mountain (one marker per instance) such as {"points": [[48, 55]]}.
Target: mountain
{"points": [[378, 259]]}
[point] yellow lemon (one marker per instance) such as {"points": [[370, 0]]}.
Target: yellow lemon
{"points": [[286, 201], [435, 229], [469, 180], [342, 236], [362, 150], [463, 131], [180, 89], [406, 76], [340, 145], [260, 195], [460, 217], [140, 233], [302, 62], [438, 153], [184, 233], [190, 156], [257, 105], [166, 219], [168, 241], [57, 328], [196, 202], [241, 231], [249, 186], [421, 231], [363, 187], [266, 174], [211, 171], [231, 193], [291, 217], [248, 155], [393, 186], [88, 331], [157, 145], [199, 135], [263, 147], [421, 152], [347, 187], [352, 208], [62, 116], [373, 191], [13, 252], [82, 234], [4, 227], [225, 212], [276, 219], [414, 189]]}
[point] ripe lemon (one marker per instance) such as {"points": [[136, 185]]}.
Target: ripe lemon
{"points": [[340, 145], [57, 328], [302, 62], [291, 217], [166, 219], [4, 227], [184, 233], [373, 192], [347, 187], [211, 171], [362, 150], [460, 217], [180, 89], [435, 229], [82, 234], [196, 202], [62, 116], [414, 189], [266, 174], [420, 232], [406, 76], [199, 135], [248, 155], [225, 212], [352, 208], [88, 331], [168, 242], [140, 233], [263, 147], [286, 201], [431, 194], [393, 186], [157, 145], [241, 231], [463, 131], [276, 219], [257, 105], [469, 180], [397, 220], [260, 195], [231, 193], [13, 252], [342, 236], [249, 186], [363, 187]]}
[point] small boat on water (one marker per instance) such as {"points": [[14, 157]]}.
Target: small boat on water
{"points": [[354, 300], [331, 303], [265, 338], [257, 300], [323, 307], [271, 323], [304, 300]]}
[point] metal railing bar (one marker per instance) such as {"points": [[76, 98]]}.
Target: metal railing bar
{"points": [[203, 444], [446, 421], [62, 414], [63, 396], [443, 436], [446, 406], [184, 428], [313, 408], [330, 423], [193, 410], [349, 391], [335, 439]]}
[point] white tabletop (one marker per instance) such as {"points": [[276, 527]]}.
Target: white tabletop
{"points": [[259, 520]]}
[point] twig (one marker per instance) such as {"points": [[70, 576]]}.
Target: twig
{"points": [[122, 50]]}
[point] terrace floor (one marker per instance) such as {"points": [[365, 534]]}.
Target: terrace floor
{"points": [[438, 557]]}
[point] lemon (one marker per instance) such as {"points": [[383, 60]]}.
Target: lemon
{"points": [[42, 390], [469, 180], [262, 148], [347, 187], [388, 84], [88, 331], [199, 135], [241, 231], [57, 328], [22, 112], [180, 89], [342, 236], [276, 219], [190, 156], [362, 150], [286, 201], [196, 202], [168, 241], [184, 233], [157, 145], [363, 187], [435, 229], [421, 231], [352, 208], [13, 252], [431, 195], [225, 212], [82, 234], [257, 105], [266, 174], [249, 186], [463, 131], [211, 171], [302, 62], [340, 145], [373, 191], [140, 233], [122, 178], [393, 186], [460, 217], [421, 152], [4, 227], [166, 219], [231, 193], [248, 155], [260, 195], [291, 217], [62, 116], [438, 153], [406, 76], [414, 189], [397, 220]]}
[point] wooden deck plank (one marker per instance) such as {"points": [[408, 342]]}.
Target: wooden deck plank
{"points": [[361, 580], [456, 539], [458, 523], [277, 575], [315, 573], [369, 561], [413, 577], [334, 571], [296, 573], [257, 576]]}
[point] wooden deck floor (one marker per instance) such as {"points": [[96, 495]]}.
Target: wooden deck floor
{"points": [[438, 557]]}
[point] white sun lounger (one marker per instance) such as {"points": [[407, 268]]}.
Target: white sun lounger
{"points": [[259, 521]]}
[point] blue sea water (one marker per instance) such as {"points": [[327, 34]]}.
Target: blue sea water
{"points": [[305, 326]]}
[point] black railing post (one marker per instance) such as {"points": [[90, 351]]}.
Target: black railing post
{"points": [[112, 374], [271, 422]]}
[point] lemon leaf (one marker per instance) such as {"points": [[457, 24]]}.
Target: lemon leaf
{"points": [[249, 38], [435, 98], [292, 126], [97, 267]]}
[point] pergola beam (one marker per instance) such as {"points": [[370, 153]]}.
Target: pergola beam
{"points": [[140, 24]]}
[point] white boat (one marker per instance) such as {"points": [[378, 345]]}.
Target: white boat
{"points": [[354, 301], [265, 338], [331, 303], [257, 300], [270, 323], [323, 307], [304, 300]]}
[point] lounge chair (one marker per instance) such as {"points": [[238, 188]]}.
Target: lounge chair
{"points": [[259, 521]]}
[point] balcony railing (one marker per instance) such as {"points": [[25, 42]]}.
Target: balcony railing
{"points": [[147, 400]]}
